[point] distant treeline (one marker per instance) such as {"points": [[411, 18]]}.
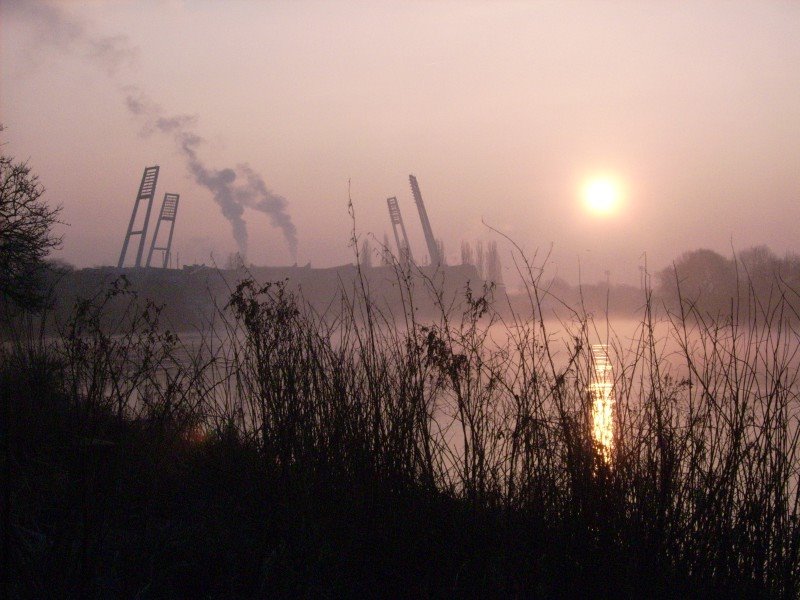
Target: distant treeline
{"points": [[706, 282], [717, 284], [700, 281]]}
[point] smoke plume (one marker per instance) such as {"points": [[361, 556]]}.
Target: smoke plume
{"points": [[233, 189], [51, 27]]}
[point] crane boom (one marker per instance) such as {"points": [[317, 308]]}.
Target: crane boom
{"points": [[433, 248], [403, 247]]}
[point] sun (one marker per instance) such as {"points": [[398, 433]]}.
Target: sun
{"points": [[601, 196]]}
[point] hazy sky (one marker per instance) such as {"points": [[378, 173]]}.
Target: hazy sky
{"points": [[502, 110]]}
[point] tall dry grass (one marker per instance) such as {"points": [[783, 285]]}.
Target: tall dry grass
{"points": [[290, 451]]}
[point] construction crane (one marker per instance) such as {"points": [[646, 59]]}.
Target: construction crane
{"points": [[403, 248], [147, 191], [433, 248], [169, 210]]}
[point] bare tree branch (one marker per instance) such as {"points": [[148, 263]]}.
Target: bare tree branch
{"points": [[26, 236]]}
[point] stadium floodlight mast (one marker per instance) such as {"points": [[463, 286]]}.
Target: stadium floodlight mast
{"points": [[147, 191], [168, 213]]}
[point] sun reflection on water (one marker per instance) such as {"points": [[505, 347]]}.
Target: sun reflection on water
{"points": [[601, 390]]}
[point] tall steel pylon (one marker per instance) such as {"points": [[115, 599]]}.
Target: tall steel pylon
{"points": [[147, 191], [403, 248], [433, 248], [169, 210]]}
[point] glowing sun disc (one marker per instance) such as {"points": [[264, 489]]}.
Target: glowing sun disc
{"points": [[601, 196]]}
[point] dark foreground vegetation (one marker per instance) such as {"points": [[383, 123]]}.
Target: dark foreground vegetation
{"points": [[355, 453]]}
